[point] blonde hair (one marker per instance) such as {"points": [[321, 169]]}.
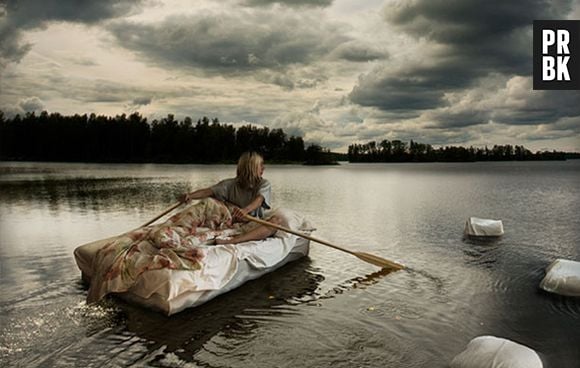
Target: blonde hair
{"points": [[248, 171]]}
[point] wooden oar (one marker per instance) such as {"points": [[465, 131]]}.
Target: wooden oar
{"points": [[165, 212], [370, 258]]}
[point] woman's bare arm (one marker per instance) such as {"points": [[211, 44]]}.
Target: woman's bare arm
{"points": [[198, 194], [239, 213]]}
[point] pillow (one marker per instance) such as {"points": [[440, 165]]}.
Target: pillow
{"points": [[495, 352], [483, 227], [291, 220], [562, 277]]}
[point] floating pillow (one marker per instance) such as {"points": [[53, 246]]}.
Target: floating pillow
{"points": [[562, 277], [483, 227], [495, 352]]}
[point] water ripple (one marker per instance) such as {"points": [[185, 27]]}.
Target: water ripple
{"points": [[332, 310]]}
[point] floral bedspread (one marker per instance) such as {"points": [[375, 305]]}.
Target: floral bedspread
{"points": [[175, 244]]}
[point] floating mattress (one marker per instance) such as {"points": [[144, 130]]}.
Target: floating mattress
{"points": [[478, 227], [170, 284], [562, 277], [496, 352]]}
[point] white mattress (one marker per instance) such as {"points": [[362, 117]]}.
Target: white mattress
{"points": [[171, 291]]}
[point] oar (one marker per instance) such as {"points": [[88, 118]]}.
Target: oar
{"points": [[370, 258], [165, 212]]}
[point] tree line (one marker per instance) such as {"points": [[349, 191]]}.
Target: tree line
{"points": [[98, 138], [399, 151], [132, 138]]}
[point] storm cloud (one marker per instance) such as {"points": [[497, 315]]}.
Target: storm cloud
{"points": [[467, 41], [513, 103], [408, 87], [290, 3], [17, 16], [233, 43], [334, 71]]}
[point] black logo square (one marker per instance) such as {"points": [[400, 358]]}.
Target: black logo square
{"points": [[557, 54]]}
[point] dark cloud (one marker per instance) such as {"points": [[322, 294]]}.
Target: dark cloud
{"points": [[448, 119], [288, 82], [142, 101], [408, 88], [224, 43], [89, 91], [11, 48], [139, 102], [467, 21], [291, 3], [20, 15], [83, 61], [104, 91], [540, 107], [358, 52], [487, 35], [516, 104], [467, 41], [81, 11], [293, 79]]}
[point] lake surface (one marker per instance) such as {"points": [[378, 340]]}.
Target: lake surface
{"points": [[327, 310]]}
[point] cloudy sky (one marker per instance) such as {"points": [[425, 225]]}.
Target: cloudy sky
{"points": [[333, 71]]}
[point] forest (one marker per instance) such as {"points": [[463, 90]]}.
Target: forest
{"points": [[399, 151], [98, 138], [132, 138]]}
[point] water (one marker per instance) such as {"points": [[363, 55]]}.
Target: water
{"points": [[327, 310]]}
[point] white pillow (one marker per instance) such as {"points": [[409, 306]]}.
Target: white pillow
{"points": [[292, 220], [495, 352], [562, 277], [475, 226]]}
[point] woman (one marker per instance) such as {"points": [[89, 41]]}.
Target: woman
{"points": [[248, 191]]}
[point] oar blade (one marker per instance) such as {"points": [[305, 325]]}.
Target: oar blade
{"points": [[378, 261]]}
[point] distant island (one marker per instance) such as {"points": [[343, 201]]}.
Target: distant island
{"points": [[399, 151], [133, 139]]}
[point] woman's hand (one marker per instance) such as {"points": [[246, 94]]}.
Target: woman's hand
{"points": [[239, 214], [198, 194], [184, 197]]}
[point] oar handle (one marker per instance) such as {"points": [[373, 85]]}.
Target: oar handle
{"points": [[165, 212], [305, 236]]}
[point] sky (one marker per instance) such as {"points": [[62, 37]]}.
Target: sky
{"points": [[336, 72]]}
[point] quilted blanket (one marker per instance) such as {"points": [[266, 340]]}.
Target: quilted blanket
{"points": [[180, 243]]}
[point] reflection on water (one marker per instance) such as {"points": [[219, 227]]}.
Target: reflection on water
{"points": [[188, 331], [129, 334], [483, 252], [91, 193], [330, 309]]}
